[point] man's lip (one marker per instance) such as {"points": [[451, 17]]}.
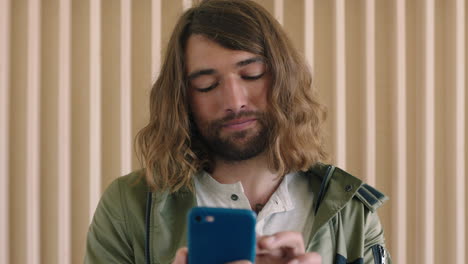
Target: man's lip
{"points": [[239, 121]]}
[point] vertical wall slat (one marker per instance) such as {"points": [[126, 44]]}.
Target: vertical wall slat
{"points": [[141, 64], [126, 87], [279, 11], [428, 215], [155, 38], [460, 87], [399, 185], [186, 4], [5, 10], [340, 84], [81, 129], [64, 134], [309, 32], [95, 105], [370, 120], [33, 197]]}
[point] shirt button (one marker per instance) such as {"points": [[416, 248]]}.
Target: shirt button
{"points": [[234, 197], [348, 188]]}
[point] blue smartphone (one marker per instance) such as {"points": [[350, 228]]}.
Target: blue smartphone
{"points": [[220, 235]]}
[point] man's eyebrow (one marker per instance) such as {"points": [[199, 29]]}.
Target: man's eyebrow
{"points": [[196, 74], [249, 61]]}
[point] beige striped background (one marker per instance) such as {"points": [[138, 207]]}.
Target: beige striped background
{"points": [[74, 83]]}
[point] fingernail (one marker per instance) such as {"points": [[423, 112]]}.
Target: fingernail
{"points": [[294, 261]]}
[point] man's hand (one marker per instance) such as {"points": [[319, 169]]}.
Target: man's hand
{"points": [[280, 248], [284, 247]]}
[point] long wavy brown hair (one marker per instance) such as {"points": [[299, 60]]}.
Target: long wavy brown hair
{"points": [[168, 147]]}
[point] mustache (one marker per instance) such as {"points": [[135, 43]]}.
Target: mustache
{"points": [[232, 116]]}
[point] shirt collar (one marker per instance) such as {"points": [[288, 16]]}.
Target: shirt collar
{"points": [[280, 200], [216, 187]]}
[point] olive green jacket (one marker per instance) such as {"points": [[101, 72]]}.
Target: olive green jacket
{"points": [[133, 225]]}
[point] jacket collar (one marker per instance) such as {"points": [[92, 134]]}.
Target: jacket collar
{"points": [[337, 188]]}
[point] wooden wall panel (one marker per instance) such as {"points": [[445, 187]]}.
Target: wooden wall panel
{"points": [[95, 104], [339, 86], [80, 136], [5, 35], [48, 116], [64, 196], [399, 184], [115, 74], [33, 133], [126, 87], [17, 149]]}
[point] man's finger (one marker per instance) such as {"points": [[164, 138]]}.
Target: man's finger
{"points": [[307, 258], [290, 240], [276, 252], [181, 256]]}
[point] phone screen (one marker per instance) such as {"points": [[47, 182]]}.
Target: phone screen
{"points": [[220, 235]]}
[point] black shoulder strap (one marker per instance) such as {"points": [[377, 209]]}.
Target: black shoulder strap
{"points": [[371, 197]]}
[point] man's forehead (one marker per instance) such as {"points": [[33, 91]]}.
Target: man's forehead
{"points": [[203, 53]]}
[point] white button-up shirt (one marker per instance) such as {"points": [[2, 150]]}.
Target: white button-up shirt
{"points": [[290, 207]]}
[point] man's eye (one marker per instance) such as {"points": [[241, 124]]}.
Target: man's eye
{"points": [[255, 77], [207, 89]]}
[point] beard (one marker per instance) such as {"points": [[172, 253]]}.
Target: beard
{"points": [[238, 145]]}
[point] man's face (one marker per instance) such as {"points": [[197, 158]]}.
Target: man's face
{"points": [[228, 98]]}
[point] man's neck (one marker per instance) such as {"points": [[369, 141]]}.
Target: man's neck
{"points": [[258, 181]]}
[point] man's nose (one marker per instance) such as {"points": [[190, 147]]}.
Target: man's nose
{"points": [[235, 95]]}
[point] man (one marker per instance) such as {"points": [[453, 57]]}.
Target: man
{"points": [[235, 123]]}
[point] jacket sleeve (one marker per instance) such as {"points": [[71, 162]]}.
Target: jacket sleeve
{"points": [[107, 239], [375, 251]]}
